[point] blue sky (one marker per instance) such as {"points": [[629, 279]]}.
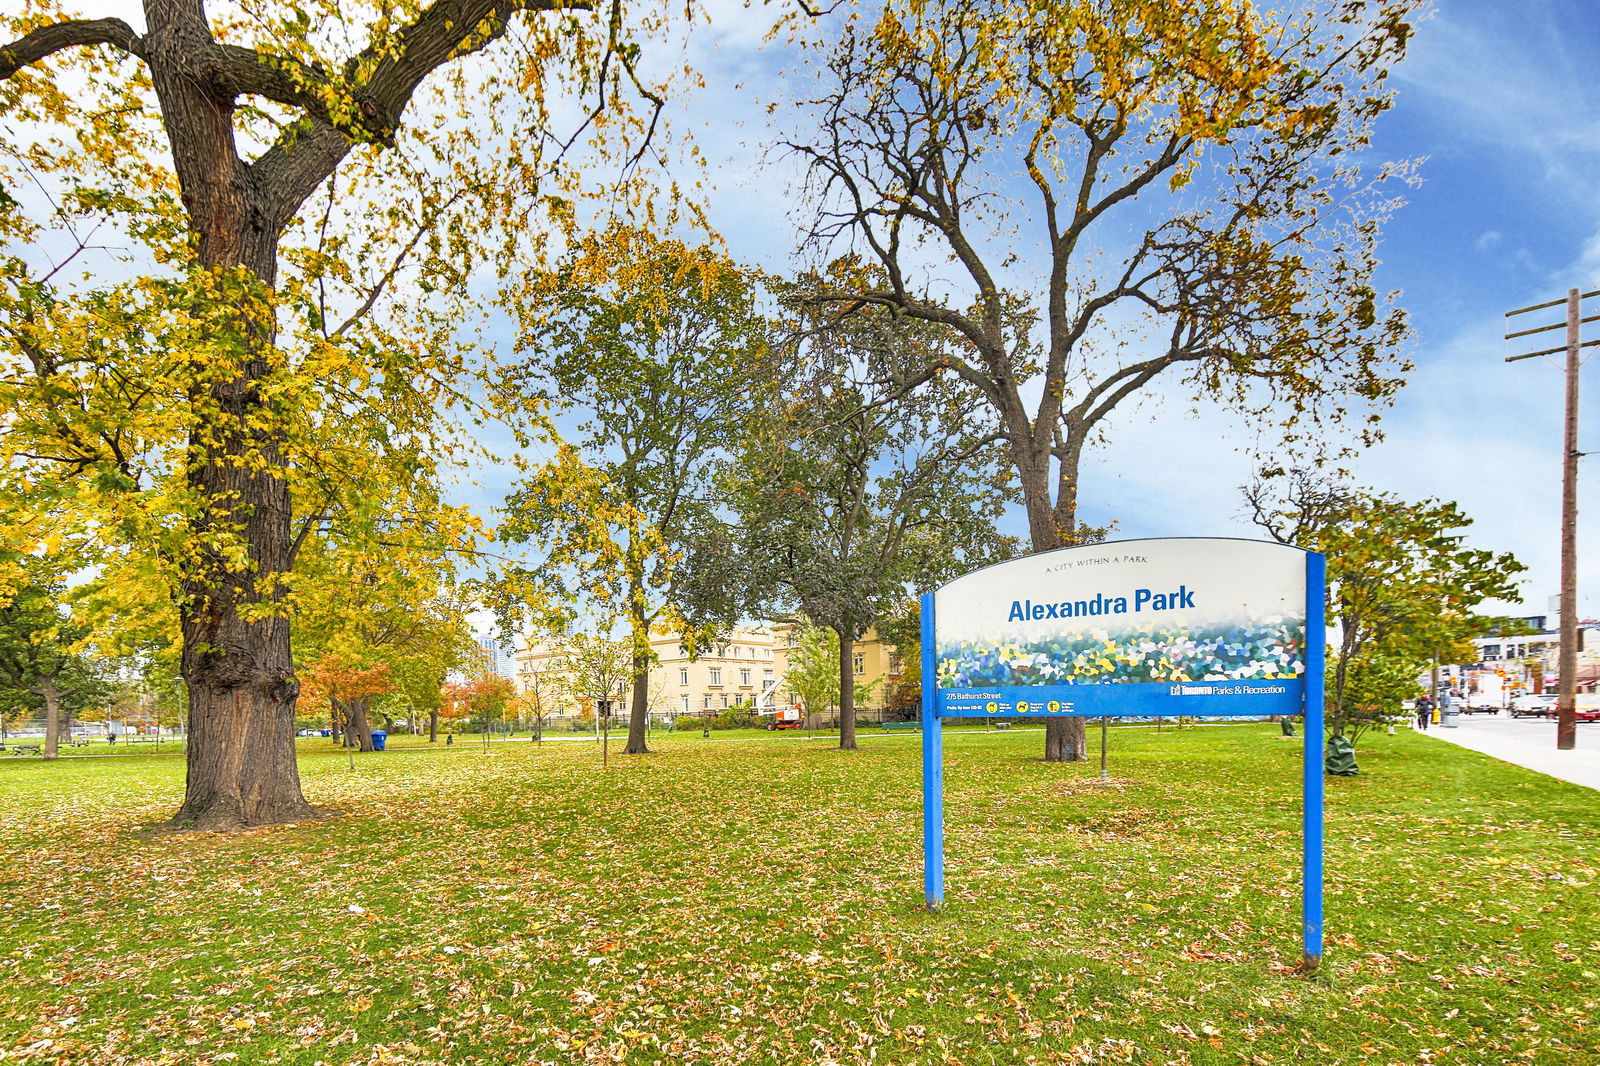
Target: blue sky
{"points": [[1501, 101]]}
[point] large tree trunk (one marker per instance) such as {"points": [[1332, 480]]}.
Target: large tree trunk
{"points": [[345, 730], [433, 727], [360, 725], [1065, 740], [236, 663], [52, 717], [1049, 527], [847, 691], [639, 633], [639, 712]]}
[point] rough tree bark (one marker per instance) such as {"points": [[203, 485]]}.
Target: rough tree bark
{"points": [[639, 665], [639, 707], [1050, 523], [847, 689], [52, 716], [360, 724], [639, 619]]}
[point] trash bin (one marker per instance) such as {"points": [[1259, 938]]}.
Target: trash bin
{"points": [[379, 738], [1451, 717]]}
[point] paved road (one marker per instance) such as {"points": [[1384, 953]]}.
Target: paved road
{"points": [[1530, 742]]}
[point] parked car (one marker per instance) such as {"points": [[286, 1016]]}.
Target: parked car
{"points": [[1532, 706], [1479, 705]]}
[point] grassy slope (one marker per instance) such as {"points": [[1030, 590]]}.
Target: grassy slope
{"points": [[760, 902]]}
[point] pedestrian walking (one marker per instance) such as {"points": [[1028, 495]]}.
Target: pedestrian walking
{"points": [[1424, 712]]}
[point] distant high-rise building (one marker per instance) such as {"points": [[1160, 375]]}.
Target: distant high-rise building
{"points": [[499, 658]]}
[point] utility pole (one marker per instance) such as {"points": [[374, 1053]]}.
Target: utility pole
{"points": [[1567, 661]]}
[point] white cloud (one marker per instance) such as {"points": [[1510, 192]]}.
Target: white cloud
{"points": [[1513, 79]]}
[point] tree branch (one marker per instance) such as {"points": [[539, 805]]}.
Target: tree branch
{"points": [[47, 40], [308, 151]]}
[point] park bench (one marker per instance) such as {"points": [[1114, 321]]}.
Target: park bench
{"points": [[25, 749], [1002, 725], [901, 725]]}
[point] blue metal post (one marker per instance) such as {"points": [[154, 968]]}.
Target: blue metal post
{"points": [[932, 767], [1316, 657]]}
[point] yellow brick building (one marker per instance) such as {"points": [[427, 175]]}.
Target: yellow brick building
{"points": [[744, 668]]}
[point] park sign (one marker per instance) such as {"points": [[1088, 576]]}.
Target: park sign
{"points": [[1192, 626]]}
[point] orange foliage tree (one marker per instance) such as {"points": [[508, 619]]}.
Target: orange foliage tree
{"points": [[349, 687], [484, 698]]}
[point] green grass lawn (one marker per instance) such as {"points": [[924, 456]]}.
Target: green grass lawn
{"points": [[761, 902]]}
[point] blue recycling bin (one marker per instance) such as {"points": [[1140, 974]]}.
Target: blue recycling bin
{"points": [[379, 738]]}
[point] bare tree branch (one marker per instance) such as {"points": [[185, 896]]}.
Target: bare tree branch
{"points": [[47, 40]]}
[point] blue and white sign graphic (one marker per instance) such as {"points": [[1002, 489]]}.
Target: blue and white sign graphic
{"points": [[1201, 626]]}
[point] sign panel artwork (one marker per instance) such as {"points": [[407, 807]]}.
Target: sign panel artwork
{"points": [[1195, 626]]}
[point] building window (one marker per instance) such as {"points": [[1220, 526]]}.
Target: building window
{"points": [[860, 663], [766, 676], [683, 675], [716, 675], [708, 701], [686, 705], [724, 701], [744, 675]]}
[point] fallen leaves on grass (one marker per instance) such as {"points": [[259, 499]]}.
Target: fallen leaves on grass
{"points": [[761, 903]]}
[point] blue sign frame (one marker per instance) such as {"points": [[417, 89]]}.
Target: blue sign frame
{"points": [[1300, 695]]}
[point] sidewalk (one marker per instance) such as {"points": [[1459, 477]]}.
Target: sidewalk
{"points": [[1530, 744]]}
